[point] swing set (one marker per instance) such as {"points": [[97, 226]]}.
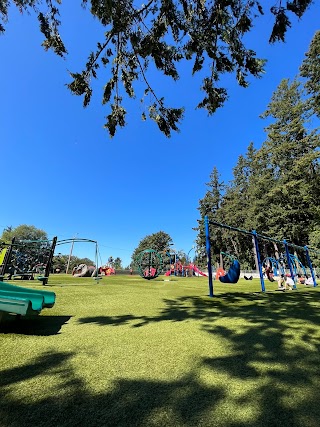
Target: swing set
{"points": [[233, 274], [276, 267]]}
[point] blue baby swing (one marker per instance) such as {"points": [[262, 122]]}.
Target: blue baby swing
{"points": [[233, 274]]}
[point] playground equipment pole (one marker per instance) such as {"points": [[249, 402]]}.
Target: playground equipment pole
{"points": [[70, 254], [175, 262], [289, 263], [257, 253], [208, 249], [310, 266], [255, 237], [97, 261], [49, 262], [188, 259], [174, 265], [7, 257]]}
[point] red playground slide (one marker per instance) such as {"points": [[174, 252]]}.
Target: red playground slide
{"points": [[196, 270], [191, 267]]}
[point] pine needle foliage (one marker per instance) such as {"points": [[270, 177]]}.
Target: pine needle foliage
{"points": [[275, 189]]}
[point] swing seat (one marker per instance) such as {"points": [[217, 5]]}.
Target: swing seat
{"points": [[270, 276], [248, 278], [233, 274]]}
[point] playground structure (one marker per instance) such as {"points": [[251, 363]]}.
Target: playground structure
{"points": [[107, 270], [84, 270], [27, 259], [274, 267], [22, 301], [232, 276], [150, 264], [178, 269]]}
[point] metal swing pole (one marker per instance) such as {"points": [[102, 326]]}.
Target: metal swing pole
{"points": [[208, 249], [97, 262], [49, 261], [257, 254], [289, 263], [70, 254]]}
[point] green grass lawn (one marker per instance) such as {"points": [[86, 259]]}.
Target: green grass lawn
{"points": [[131, 352]]}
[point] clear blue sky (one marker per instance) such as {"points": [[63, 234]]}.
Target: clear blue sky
{"points": [[60, 170]]}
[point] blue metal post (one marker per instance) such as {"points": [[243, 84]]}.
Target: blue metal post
{"points": [[175, 264], [310, 266], [289, 263], [275, 268], [208, 249], [256, 244]]}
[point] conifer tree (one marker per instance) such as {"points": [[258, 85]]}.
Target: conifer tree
{"points": [[210, 205], [291, 149], [241, 206], [310, 69]]}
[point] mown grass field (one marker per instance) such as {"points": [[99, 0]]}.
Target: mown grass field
{"points": [[131, 352]]}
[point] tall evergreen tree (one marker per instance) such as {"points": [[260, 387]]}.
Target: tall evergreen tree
{"points": [[291, 149], [210, 205], [237, 201], [275, 189], [239, 207], [310, 69]]}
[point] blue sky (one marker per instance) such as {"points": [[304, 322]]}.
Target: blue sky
{"points": [[62, 173]]}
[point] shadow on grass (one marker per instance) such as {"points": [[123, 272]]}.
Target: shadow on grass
{"points": [[185, 402], [267, 371], [37, 325], [264, 349], [257, 308], [129, 403], [37, 368]]}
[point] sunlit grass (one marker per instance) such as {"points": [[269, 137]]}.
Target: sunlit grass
{"points": [[131, 352]]}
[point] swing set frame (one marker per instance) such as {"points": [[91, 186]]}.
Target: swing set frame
{"points": [[255, 236]]}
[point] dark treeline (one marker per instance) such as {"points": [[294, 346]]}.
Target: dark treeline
{"points": [[275, 188]]}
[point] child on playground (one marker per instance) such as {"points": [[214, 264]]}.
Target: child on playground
{"points": [[309, 281], [269, 273], [284, 282]]}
